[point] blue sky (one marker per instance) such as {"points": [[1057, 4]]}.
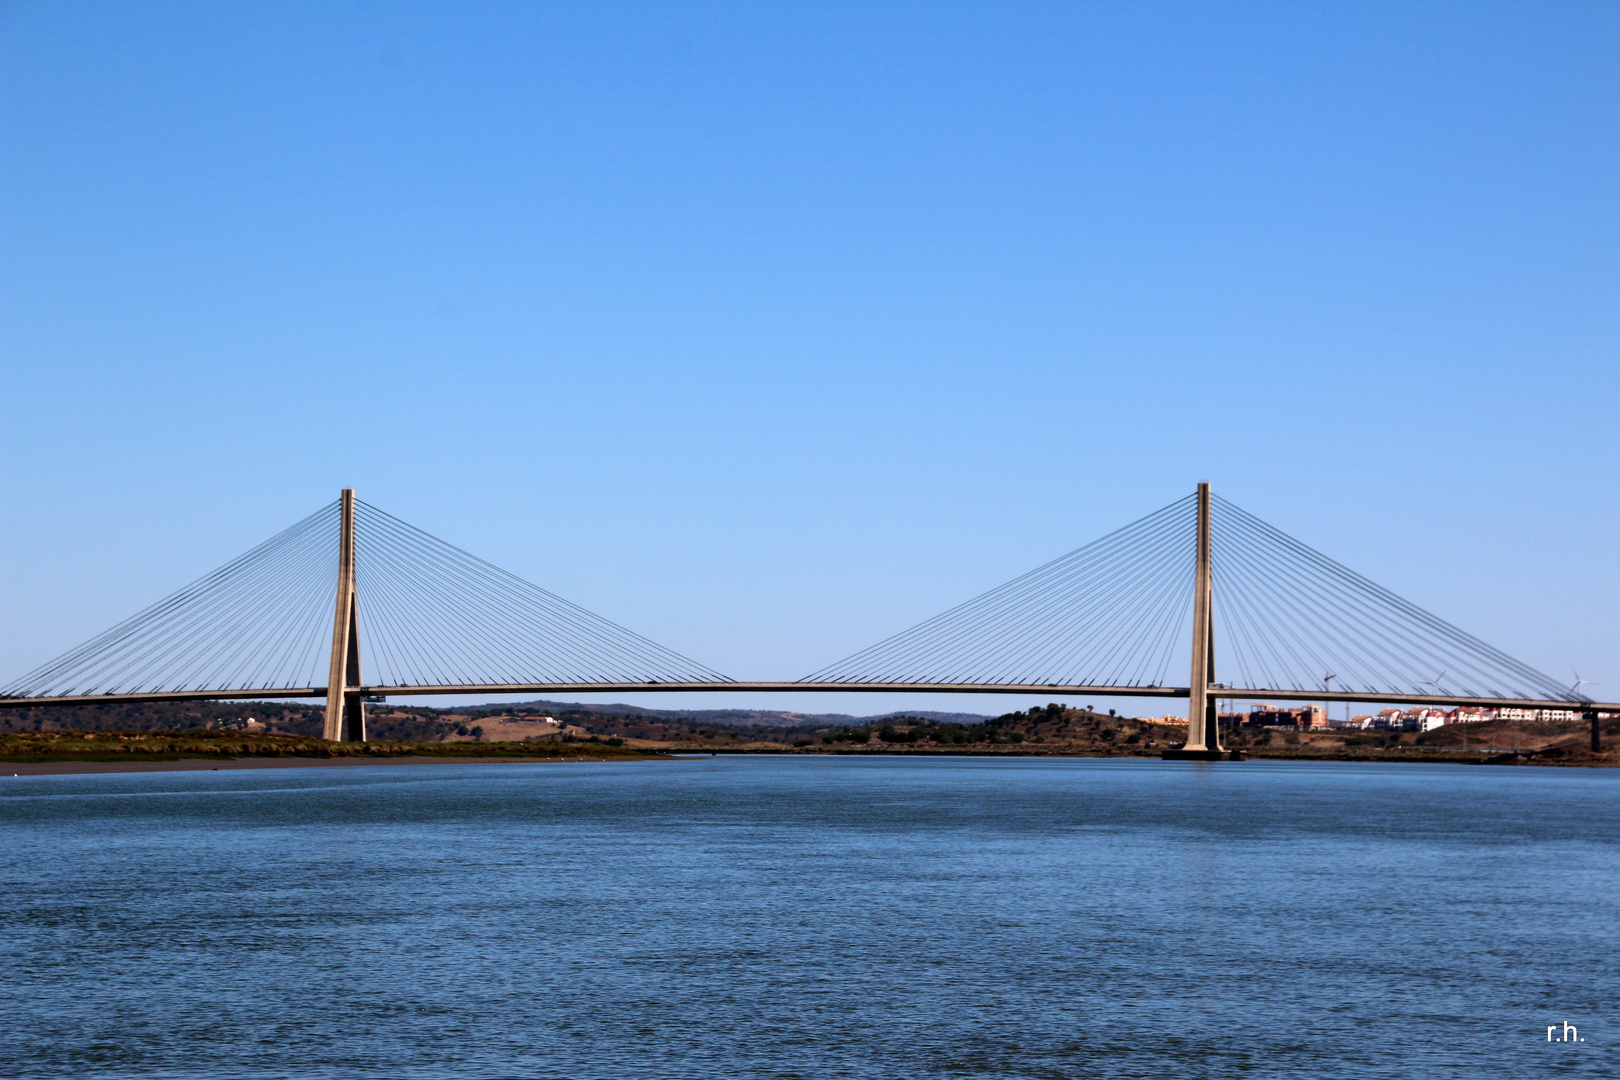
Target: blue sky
{"points": [[770, 330]]}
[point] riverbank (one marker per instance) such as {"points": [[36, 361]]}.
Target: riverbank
{"points": [[63, 752], [81, 767], [1561, 755]]}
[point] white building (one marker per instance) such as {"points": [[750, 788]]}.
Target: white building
{"points": [[1388, 720], [1422, 719]]}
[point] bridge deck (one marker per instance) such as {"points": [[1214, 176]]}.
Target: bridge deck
{"points": [[1053, 689]]}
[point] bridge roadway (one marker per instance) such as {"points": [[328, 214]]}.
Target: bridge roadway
{"points": [[1052, 689]]}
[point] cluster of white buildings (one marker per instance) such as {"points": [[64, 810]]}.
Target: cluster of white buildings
{"points": [[1426, 718], [1423, 718]]}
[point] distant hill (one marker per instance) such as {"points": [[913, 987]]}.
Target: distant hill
{"points": [[746, 717], [289, 718], [1050, 729], [519, 720], [425, 723]]}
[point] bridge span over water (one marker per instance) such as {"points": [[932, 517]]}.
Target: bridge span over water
{"points": [[1112, 618]]}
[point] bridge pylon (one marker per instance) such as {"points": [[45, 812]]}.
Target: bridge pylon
{"points": [[1203, 716], [345, 705]]}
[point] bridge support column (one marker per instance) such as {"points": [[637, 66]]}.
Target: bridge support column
{"points": [[1203, 718], [1597, 730], [345, 709]]}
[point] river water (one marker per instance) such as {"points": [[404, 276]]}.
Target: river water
{"points": [[874, 917]]}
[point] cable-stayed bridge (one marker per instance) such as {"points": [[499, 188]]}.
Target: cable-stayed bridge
{"points": [[1118, 617]]}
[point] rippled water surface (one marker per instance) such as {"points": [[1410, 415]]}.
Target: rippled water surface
{"points": [[812, 917]]}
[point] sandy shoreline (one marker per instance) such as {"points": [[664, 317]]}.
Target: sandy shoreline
{"points": [[62, 768]]}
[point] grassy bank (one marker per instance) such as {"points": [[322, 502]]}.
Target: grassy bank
{"points": [[1558, 755], [57, 746], [155, 746]]}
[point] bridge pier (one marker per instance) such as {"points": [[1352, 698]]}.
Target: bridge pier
{"points": [[1203, 718], [345, 707]]}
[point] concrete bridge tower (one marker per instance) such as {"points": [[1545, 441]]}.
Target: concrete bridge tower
{"points": [[345, 708], [1203, 718]]}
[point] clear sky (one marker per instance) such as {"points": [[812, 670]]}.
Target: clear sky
{"points": [[769, 330]]}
